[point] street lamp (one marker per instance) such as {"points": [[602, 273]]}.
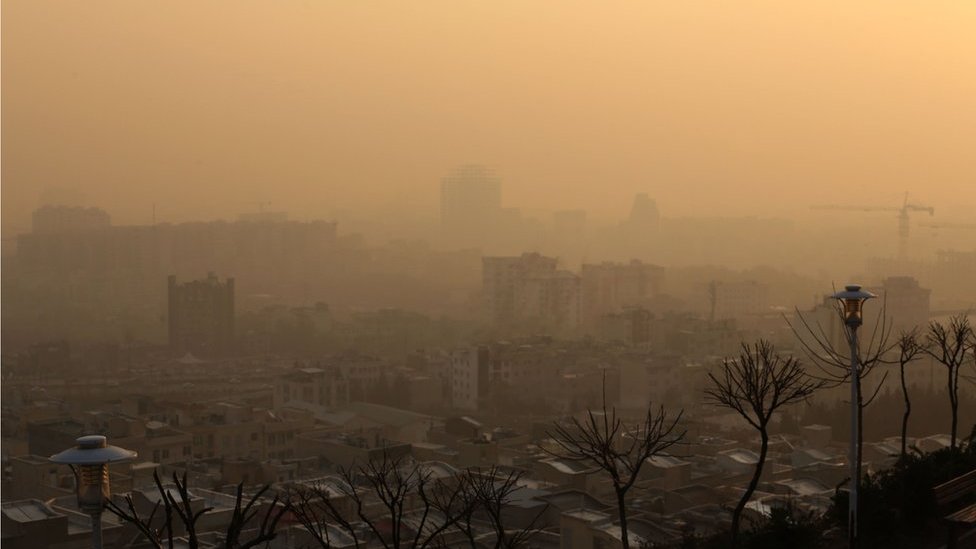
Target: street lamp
{"points": [[852, 304], [89, 462]]}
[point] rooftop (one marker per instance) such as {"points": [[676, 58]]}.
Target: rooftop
{"points": [[28, 510]]}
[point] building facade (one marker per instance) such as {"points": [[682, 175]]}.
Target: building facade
{"points": [[529, 289], [471, 204], [608, 288], [201, 316], [469, 376]]}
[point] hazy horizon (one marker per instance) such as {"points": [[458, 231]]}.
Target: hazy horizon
{"points": [[751, 109]]}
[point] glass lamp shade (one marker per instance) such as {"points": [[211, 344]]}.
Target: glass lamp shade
{"points": [[852, 303], [93, 487]]}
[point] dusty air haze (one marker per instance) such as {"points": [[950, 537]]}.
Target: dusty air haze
{"points": [[744, 108], [531, 274]]}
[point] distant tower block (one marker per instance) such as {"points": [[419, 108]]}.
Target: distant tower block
{"points": [[201, 316], [68, 219], [644, 213], [471, 203]]}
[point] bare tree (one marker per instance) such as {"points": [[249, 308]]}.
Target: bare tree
{"points": [[489, 491], [246, 513], [755, 385], [316, 508], [910, 348], [178, 507], [397, 488], [618, 450], [948, 345], [834, 365]]}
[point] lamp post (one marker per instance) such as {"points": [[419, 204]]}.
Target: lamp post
{"points": [[89, 462], [852, 303]]}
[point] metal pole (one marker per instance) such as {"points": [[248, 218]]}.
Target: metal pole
{"points": [[855, 481], [97, 530]]}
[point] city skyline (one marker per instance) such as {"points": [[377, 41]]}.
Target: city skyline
{"points": [[575, 106], [524, 275]]}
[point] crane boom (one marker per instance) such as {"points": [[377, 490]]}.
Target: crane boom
{"points": [[903, 221]]}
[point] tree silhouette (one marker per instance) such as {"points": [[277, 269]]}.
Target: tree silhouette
{"points": [[948, 344], [834, 365], [392, 485], [755, 385], [488, 491], [910, 348], [618, 450], [178, 508]]}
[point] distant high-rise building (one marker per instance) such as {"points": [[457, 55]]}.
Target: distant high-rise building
{"points": [[907, 303], [530, 288], [643, 213], [639, 233], [471, 203], [501, 276], [68, 219], [201, 316], [733, 300], [609, 287], [569, 235]]}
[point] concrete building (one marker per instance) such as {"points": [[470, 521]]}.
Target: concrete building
{"points": [[550, 301], [471, 204], [501, 276], [906, 301], [68, 219], [325, 387], [731, 300], [640, 234], [32, 523], [509, 369], [650, 379], [469, 377], [608, 288], [528, 289], [201, 316], [569, 235], [631, 326]]}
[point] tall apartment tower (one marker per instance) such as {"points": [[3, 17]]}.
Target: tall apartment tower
{"points": [[201, 316], [906, 301], [644, 214], [503, 280], [68, 219], [471, 204], [608, 288], [530, 288]]}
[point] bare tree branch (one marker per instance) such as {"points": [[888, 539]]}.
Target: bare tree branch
{"points": [[755, 385], [948, 345], [595, 440]]}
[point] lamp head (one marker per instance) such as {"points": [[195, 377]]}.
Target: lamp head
{"points": [[852, 303], [89, 461]]}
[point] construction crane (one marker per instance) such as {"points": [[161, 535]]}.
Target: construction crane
{"points": [[948, 225], [903, 224]]}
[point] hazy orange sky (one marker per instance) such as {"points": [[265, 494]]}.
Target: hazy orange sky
{"points": [[715, 107]]}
